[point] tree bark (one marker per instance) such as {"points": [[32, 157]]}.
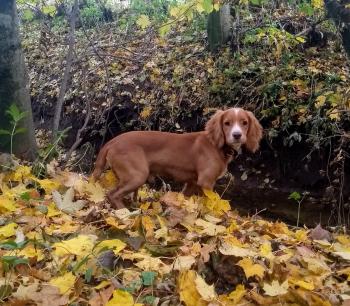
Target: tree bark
{"points": [[14, 86], [219, 27], [341, 17]]}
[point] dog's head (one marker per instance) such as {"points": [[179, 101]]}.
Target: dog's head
{"points": [[234, 127]]}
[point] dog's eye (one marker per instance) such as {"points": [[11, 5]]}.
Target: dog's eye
{"points": [[227, 122], [245, 122]]}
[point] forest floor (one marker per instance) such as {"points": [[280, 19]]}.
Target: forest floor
{"points": [[61, 244]]}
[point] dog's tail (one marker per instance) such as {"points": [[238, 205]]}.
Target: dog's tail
{"points": [[100, 163]]}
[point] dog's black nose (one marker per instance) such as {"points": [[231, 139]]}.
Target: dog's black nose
{"points": [[237, 135]]}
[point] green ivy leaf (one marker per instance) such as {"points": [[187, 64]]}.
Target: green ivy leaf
{"points": [[88, 275], [42, 208], [148, 277], [25, 196]]}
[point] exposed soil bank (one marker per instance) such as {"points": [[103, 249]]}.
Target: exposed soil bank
{"points": [[262, 184]]}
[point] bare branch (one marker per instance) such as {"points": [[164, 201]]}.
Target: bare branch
{"points": [[66, 73]]}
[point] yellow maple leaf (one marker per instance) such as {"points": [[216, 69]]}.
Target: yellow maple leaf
{"points": [[232, 227], [308, 285], [103, 284], [95, 192], [343, 239], [266, 249], [206, 292], [34, 235], [316, 265], [163, 231], [143, 21], [52, 211], [251, 269], [188, 291], [228, 249], [275, 288], [7, 205], [66, 228], [112, 244], [108, 180], [320, 101], [146, 112], [234, 297], [8, 230], [122, 298], [215, 204], [334, 115], [301, 235], [65, 282], [209, 228], [185, 262], [30, 252], [48, 185], [149, 263], [81, 245], [113, 222], [148, 226], [21, 173]]}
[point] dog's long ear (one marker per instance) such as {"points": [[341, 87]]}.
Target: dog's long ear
{"points": [[255, 132], [214, 129]]}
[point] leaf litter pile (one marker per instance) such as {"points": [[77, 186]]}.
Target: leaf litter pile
{"points": [[61, 244]]}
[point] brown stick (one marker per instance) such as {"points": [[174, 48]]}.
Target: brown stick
{"points": [[78, 138], [66, 73]]}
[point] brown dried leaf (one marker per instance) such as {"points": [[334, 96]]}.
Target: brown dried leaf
{"points": [[318, 233]]}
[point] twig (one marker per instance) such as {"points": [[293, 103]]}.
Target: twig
{"points": [[109, 88], [308, 29], [78, 138], [66, 73]]}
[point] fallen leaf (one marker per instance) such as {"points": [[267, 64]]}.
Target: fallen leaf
{"points": [[65, 282], [6, 204], [113, 244], [275, 288], [66, 203], [234, 297], [184, 262], [251, 269], [8, 230], [81, 245], [187, 289], [122, 298], [318, 233], [209, 228], [47, 296], [206, 292], [227, 249], [101, 297]]}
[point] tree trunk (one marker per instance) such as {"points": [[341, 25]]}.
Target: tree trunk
{"points": [[14, 83], [219, 27], [341, 16]]}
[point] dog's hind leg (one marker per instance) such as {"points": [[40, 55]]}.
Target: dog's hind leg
{"points": [[125, 186]]}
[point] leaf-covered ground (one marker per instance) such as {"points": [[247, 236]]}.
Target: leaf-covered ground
{"points": [[61, 244]]}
